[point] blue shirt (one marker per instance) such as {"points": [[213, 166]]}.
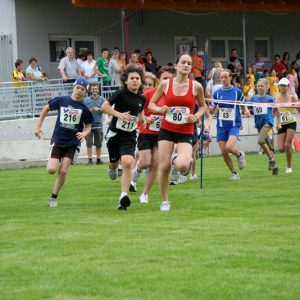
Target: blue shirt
{"points": [[229, 115], [262, 115], [71, 118], [97, 115]]}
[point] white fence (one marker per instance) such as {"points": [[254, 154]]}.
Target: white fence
{"points": [[29, 100]]}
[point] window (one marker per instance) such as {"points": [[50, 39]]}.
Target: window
{"points": [[221, 47], [58, 50], [184, 44], [262, 45]]}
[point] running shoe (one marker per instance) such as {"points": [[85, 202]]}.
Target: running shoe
{"points": [[135, 175], [132, 187], [182, 178], [120, 172], [288, 170], [174, 173], [193, 177], [242, 160], [165, 206], [171, 182], [144, 198], [124, 202], [235, 177], [272, 164], [275, 171], [52, 202], [112, 173]]}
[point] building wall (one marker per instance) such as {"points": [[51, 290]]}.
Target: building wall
{"points": [[37, 20]]}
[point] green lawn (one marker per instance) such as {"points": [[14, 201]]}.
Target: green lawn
{"points": [[231, 240]]}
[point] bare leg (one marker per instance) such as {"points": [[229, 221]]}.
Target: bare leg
{"points": [[62, 173], [153, 171], [127, 161], [288, 146]]}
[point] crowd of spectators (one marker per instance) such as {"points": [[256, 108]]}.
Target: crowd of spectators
{"points": [[110, 65]]}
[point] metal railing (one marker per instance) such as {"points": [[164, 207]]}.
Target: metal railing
{"points": [[28, 100]]}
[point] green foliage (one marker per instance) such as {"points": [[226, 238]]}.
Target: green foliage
{"points": [[231, 240]]}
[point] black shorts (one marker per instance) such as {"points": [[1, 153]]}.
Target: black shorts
{"points": [[119, 144], [285, 127], [60, 151], [147, 141], [166, 135]]}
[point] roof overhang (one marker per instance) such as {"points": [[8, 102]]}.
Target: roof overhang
{"points": [[276, 6]]}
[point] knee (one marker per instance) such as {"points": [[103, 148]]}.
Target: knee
{"points": [[182, 167], [280, 148], [287, 145], [51, 170], [127, 163], [63, 171]]}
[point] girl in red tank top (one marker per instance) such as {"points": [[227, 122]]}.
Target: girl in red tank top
{"points": [[177, 126]]}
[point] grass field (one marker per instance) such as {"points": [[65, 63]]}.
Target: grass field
{"points": [[231, 240]]}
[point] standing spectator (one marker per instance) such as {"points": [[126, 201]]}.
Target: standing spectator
{"points": [[278, 67], [150, 64], [33, 73], [18, 76], [296, 61], [237, 62], [286, 59], [122, 59], [140, 59], [273, 82], [88, 68], [102, 65], [260, 65], [134, 60], [248, 88], [197, 66], [293, 87], [95, 137], [81, 58], [69, 67], [114, 68]]}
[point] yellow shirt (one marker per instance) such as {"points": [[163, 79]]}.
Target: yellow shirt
{"points": [[248, 91], [252, 77], [273, 86], [15, 79]]}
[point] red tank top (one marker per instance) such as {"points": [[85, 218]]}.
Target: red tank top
{"points": [[155, 126], [181, 107]]}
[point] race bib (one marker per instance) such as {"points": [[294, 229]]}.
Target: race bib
{"points": [[286, 116], [226, 114], [155, 126], [70, 116], [260, 110], [127, 125], [178, 115]]}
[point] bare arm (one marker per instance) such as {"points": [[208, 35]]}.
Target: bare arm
{"points": [[81, 135], [201, 101], [157, 95], [108, 109], [38, 130]]}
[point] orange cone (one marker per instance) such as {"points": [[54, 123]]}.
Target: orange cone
{"points": [[296, 143]]}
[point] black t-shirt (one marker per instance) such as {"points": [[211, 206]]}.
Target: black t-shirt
{"points": [[124, 101]]}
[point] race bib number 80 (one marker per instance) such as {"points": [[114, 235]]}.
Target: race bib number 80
{"points": [[178, 115]]}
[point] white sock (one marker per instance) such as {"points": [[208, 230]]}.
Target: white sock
{"points": [[123, 194]]}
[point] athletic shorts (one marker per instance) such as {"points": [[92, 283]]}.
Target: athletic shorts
{"points": [[285, 127], [223, 133], [166, 135], [94, 138], [147, 141], [60, 151], [119, 144]]}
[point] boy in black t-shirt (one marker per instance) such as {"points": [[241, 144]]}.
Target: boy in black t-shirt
{"points": [[73, 124], [127, 108]]}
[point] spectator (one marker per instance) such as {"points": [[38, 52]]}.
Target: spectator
{"points": [[278, 67], [260, 65], [197, 66], [115, 69], [286, 59], [238, 63], [140, 59], [102, 67], [33, 73], [294, 84], [95, 137], [122, 59], [150, 64], [135, 62], [248, 88], [273, 81], [69, 67], [296, 61], [214, 77], [252, 79], [81, 58], [18, 75], [88, 68]]}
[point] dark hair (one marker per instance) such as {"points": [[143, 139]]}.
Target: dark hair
{"points": [[18, 62], [137, 51], [148, 52], [232, 59], [228, 71], [116, 48], [165, 69], [81, 55], [276, 56], [104, 49], [284, 54], [90, 53], [133, 69], [179, 56], [32, 59]]}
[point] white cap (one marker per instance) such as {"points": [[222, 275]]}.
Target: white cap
{"points": [[200, 53], [284, 81]]}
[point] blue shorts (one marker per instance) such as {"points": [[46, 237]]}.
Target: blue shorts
{"points": [[223, 133]]}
